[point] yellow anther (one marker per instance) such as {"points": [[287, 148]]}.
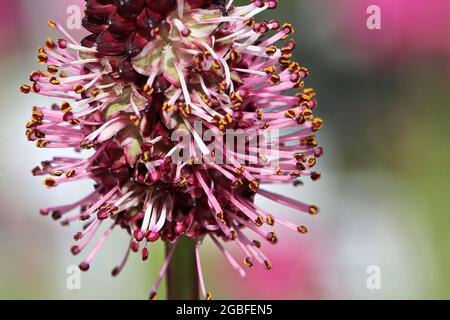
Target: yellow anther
{"points": [[316, 176], [268, 264], [302, 229], [41, 143], [70, 173], [271, 50], [317, 124], [313, 210], [254, 185], [291, 113], [50, 183], [248, 262], [270, 220], [25, 89]]}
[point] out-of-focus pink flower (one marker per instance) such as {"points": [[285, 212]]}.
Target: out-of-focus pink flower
{"points": [[17, 18], [294, 276], [410, 29], [9, 18]]}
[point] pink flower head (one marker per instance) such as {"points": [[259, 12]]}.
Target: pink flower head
{"points": [[209, 64]]}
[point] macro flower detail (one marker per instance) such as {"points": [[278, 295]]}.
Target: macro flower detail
{"points": [[205, 68]]}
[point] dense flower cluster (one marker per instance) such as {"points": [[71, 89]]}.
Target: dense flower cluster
{"points": [[152, 69]]}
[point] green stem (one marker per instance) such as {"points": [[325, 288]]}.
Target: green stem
{"points": [[182, 277]]}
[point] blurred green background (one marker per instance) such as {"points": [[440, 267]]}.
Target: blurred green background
{"points": [[384, 95]]}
